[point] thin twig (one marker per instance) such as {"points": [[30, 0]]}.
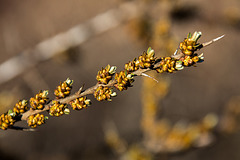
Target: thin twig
{"points": [[91, 90]]}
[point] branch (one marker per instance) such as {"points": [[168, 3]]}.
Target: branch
{"points": [[108, 79]]}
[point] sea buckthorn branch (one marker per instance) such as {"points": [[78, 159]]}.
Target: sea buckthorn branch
{"points": [[107, 79]]}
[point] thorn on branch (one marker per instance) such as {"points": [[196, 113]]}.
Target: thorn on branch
{"points": [[80, 89], [146, 75], [212, 41]]}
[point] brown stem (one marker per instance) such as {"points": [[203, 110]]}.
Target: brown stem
{"points": [[78, 94], [92, 89]]}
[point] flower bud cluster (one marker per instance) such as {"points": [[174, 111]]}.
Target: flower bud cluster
{"points": [[167, 64], [64, 89], [188, 48], [131, 66], [190, 60], [104, 93], [57, 109], [105, 74], [36, 120], [20, 107], [39, 100], [146, 60], [80, 103], [124, 80], [190, 45], [6, 120]]}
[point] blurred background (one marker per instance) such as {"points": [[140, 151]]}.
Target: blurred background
{"points": [[45, 42]]}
